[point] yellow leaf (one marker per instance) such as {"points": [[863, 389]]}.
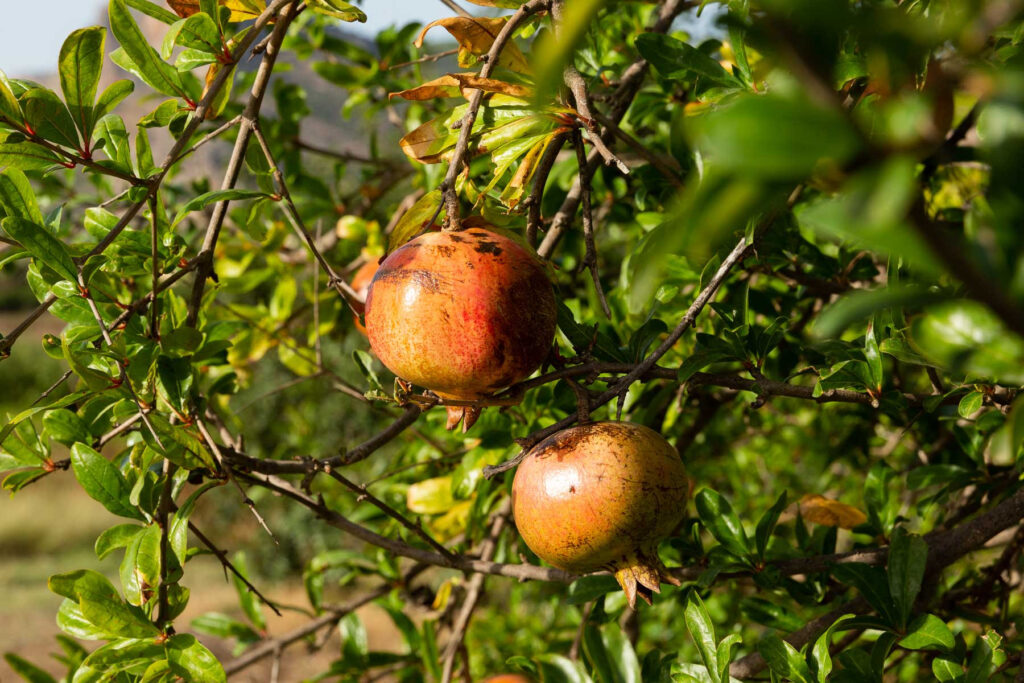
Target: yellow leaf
{"points": [[453, 522], [828, 512], [475, 36], [444, 594], [451, 85], [241, 10], [430, 496]]}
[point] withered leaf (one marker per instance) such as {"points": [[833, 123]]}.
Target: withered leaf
{"points": [[475, 36], [451, 85], [828, 512], [241, 10]]}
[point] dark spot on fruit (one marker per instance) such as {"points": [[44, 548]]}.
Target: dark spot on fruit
{"points": [[456, 238], [417, 276], [488, 248], [445, 250]]}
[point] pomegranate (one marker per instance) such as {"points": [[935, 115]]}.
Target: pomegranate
{"points": [[508, 678], [361, 284], [461, 313], [602, 495]]}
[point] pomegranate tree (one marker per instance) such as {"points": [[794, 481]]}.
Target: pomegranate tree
{"points": [[599, 496], [463, 314]]}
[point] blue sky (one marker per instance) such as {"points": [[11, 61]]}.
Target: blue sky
{"points": [[32, 31]]}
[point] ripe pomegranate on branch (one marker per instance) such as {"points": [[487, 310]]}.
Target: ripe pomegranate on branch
{"points": [[601, 496], [463, 314]]}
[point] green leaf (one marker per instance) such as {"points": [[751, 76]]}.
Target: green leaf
{"points": [[192, 661], [354, 645], [870, 212], [100, 605], [17, 196], [947, 670], [871, 583], [717, 515], [198, 32], [207, 198], [364, 362], [874, 361], [27, 156], [111, 96], [27, 670], [985, 657], [71, 620], [860, 305], [65, 426], [9, 107], [339, 10], [174, 380], [698, 623], [223, 626], [966, 337], [80, 66], [251, 605], [43, 246], [414, 221], [676, 60], [610, 654], [821, 658], [103, 481], [137, 56], [970, 404], [150, 9], [554, 668], [49, 117], [767, 523], [784, 660], [908, 555], [766, 136], [115, 537], [928, 632], [140, 567]]}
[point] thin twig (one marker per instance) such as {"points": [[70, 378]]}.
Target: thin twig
{"points": [[247, 121], [451, 199], [453, 6], [427, 58], [364, 494], [590, 254], [222, 555], [473, 591]]}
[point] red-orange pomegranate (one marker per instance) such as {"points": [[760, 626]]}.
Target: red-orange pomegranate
{"points": [[361, 284], [508, 678], [602, 496], [461, 313]]}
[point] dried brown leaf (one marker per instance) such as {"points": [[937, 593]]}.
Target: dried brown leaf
{"points": [[828, 512], [475, 36], [241, 10], [451, 85]]}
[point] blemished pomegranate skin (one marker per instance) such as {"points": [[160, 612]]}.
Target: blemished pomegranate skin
{"points": [[463, 314], [361, 284], [601, 496], [508, 678]]}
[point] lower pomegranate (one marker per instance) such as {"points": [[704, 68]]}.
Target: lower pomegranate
{"points": [[602, 496]]}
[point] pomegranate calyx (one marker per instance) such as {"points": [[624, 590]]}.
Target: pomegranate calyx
{"points": [[642, 576], [467, 415]]}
